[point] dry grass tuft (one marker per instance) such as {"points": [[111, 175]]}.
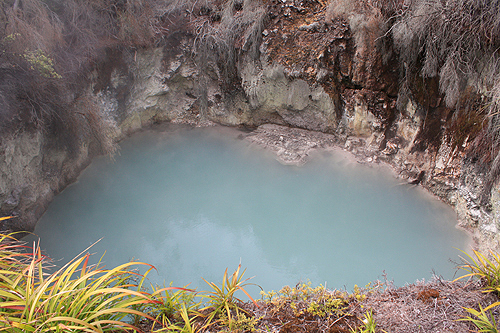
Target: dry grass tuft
{"points": [[365, 19], [457, 41], [434, 306], [224, 32]]}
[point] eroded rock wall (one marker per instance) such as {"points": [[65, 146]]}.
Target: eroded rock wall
{"points": [[32, 172]]}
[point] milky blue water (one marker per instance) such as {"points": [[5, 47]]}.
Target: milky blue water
{"points": [[194, 202]]}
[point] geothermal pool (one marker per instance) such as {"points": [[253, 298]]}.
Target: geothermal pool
{"points": [[194, 202]]}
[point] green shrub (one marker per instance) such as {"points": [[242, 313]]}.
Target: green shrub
{"points": [[303, 299], [240, 323]]}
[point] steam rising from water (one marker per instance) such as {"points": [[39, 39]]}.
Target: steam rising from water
{"points": [[193, 202]]}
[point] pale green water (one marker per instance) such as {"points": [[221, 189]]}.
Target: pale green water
{"points": [[194, 202]]}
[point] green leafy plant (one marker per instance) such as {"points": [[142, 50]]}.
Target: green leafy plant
{"points": [[240, 323], [484, 322], [222, 301], [483, 268], [487, 270], [76, 297], [188, 326], [327, 304], [173, 309], [304, 299], [369, 324]]}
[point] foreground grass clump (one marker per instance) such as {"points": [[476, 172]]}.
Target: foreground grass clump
{"points": [[74, 298]]}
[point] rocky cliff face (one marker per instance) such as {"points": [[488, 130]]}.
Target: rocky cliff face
{"points": [[316, 72]]}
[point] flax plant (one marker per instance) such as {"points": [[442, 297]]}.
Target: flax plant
{"points": [[77, 297], [487, 270], [173, 308], [483, 268], [221, 300], [484, 322], [369, 324]]}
